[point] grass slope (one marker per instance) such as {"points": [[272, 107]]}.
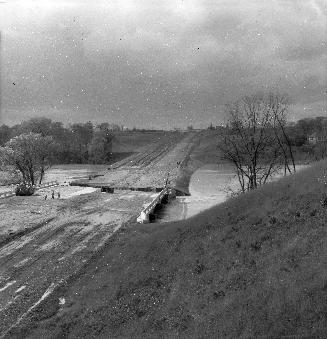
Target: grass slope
{"points": [[254, 266]]}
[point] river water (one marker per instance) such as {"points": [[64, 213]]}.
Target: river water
{"points": [[210, 185]]}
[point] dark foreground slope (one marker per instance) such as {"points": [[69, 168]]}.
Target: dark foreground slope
{"points": [[255, 266]]}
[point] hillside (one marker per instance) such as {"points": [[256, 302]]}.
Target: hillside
{"points": [[150, 169], [138, 141], [253, 266], [135, 143]]}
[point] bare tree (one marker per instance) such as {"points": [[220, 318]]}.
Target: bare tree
{"points": [[256, 141], [278, 105]]}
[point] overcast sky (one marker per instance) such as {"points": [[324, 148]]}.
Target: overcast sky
{"points": [[158, 63]]}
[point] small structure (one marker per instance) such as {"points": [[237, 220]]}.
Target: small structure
{"points": [[145, 213]]}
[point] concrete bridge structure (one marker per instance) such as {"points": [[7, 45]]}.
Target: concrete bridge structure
{"points": [[148, 210]]}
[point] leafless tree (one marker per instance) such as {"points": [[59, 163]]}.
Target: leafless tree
{"points": [[278, 105], [255, 140]]}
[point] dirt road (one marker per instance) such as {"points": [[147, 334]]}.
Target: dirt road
{"points": [[48, 241], [151, 168]]}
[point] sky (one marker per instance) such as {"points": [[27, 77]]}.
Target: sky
{"points": [[158, 63]]}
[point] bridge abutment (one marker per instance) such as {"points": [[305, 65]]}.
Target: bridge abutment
{"points": [[166, 194]]}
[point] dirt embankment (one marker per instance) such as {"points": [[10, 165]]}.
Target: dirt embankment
{"points": [[203, 151], [163, 162], [251, 267]]}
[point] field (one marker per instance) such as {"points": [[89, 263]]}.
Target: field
{"points": [[251, 267]]}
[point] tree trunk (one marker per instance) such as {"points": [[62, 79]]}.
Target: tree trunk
{"points": [[41, 175]]}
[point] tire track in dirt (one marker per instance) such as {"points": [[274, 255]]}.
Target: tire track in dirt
{"points": [[19, 234], [64, 258], [50, 253]]}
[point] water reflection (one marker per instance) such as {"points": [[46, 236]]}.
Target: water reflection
{"points": [[209, 186]]}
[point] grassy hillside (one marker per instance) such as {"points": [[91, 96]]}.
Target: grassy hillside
{"points": [[254, 266]]}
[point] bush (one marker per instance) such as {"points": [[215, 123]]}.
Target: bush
{"points": [[25, 189]]}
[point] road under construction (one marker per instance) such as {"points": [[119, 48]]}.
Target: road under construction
{"points": [[45, 242], [150, 170]]}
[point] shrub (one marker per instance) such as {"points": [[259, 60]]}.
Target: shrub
{"points": [[25, 189]]}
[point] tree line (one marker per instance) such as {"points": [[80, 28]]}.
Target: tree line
{"points": [[27, 150], [77, 143]]}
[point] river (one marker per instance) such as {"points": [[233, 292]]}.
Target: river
{"points": [[210, 185]]}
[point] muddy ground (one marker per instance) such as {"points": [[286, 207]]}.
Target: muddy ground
{"points": [[44, 242]]}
